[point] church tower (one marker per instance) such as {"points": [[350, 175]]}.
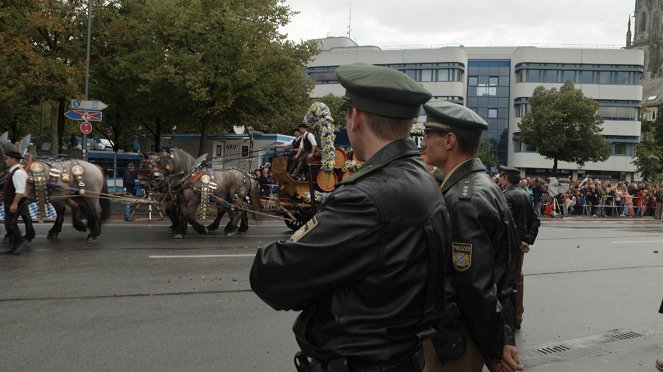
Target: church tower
{"points": [[628, 34], [648, 35]]}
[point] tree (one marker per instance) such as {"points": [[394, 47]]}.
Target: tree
{"points": [[564, 125], [334, 103], [487, 155], [649, 152], [39, 50]]}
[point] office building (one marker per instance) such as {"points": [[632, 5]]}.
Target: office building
{"points": [[496, 82]]}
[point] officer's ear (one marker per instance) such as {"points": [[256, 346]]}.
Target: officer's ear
{"points": [[451, 140]]}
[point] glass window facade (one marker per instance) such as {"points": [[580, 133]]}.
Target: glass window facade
{"points": [[578, 73], [488, 95], [420, 72]]}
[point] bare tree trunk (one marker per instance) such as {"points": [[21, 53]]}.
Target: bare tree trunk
{"points": [[157, 134], [554, 170], [55, 139], [60, 118], [204, 133]]}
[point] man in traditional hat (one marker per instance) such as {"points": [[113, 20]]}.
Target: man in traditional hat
{"points": [[306, 150], [527, 223], [483, 243], [359, 270], [14, 200]]}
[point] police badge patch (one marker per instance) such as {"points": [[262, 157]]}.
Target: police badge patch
{"points": [[313, 222], [461, 255]]}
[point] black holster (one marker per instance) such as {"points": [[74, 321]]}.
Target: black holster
{"points": [[449, 340]]}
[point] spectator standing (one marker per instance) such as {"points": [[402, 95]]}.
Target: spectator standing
{"points": [[658, 196], [129, 184], [537, 196]]}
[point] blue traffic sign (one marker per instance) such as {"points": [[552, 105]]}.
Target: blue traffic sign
{"points": [[87, 105], [83, 115]]}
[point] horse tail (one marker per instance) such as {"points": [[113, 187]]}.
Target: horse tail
{"points": [[255, 198], [105, 203]]}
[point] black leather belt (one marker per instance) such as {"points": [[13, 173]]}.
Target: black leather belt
{"points": [[412, 364]]}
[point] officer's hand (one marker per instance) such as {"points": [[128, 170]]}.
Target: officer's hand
{"points": [[524, 247], [510, 359]]}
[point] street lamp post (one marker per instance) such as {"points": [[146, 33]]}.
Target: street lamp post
{"points": [[87, 69]]}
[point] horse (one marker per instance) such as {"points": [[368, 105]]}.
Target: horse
{"points": [[76, 183], [186, 178]]}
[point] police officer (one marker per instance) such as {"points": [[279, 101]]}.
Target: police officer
{"points": [[359, 269], [527, 223], [483, 237], [14, 200]]}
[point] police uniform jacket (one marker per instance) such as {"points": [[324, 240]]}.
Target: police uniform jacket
{"points": [[523, 213], [483, 249], [358, 269]]}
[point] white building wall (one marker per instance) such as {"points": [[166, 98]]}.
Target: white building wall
{"points": [[516, 55]]}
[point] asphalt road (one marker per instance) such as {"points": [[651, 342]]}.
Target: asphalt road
{"points": [[138, 300]]}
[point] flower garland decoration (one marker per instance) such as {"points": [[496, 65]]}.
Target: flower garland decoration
{"points": [[320, 197], [351, 165], [321, 124]]}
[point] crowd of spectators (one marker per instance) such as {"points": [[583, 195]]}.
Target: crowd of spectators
{"points": [[269, 186], [595, 198]]}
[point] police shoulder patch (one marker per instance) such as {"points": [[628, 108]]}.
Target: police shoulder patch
{"points": [[308, 226], [466, 188], [461, 255]]}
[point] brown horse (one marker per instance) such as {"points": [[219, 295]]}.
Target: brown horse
{"points": [[187, 179], [76, 183]]}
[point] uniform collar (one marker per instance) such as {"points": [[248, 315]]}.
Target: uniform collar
{"points": [[396, 150], [14, 167], [461, 171]]}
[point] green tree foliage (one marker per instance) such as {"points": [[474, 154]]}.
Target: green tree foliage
{"points": [[564, 125], [334, 103], [487, 155], [649, 152], [37, 64], [200, 65]]}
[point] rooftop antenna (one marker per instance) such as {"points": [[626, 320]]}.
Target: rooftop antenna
{"points": [[350, 21]]}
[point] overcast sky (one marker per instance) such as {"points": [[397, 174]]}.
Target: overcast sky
{"points": [[394, 23]]}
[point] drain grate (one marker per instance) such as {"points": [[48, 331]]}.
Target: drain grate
{"points": [[626, 335], [553, 349]]}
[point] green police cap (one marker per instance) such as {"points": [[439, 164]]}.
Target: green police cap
{"points": [[451, 117], [381, 90], [509, 170]]}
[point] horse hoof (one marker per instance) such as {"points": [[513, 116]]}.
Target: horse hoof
{"points": [[177, 236], [91, 239], [52, 236], [231, 233]]}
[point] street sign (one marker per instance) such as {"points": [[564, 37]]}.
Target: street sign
{"points": [[83, 115], [87, 105], [86, 127]]}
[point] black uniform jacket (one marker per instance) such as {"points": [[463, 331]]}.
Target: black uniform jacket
{"points": [[359, 269], [483, 249], [523, 213]]}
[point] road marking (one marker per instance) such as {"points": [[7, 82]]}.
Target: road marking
{"points": [[638, 241], [206, 256]]}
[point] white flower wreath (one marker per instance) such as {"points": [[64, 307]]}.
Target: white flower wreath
{"points": [[320, 121]]}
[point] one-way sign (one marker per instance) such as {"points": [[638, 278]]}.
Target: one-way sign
{"points": [[87, 105], [83, 115]]}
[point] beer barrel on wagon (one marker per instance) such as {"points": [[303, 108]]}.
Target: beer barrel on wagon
{"points": [[340, 157], [326, 180]]}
